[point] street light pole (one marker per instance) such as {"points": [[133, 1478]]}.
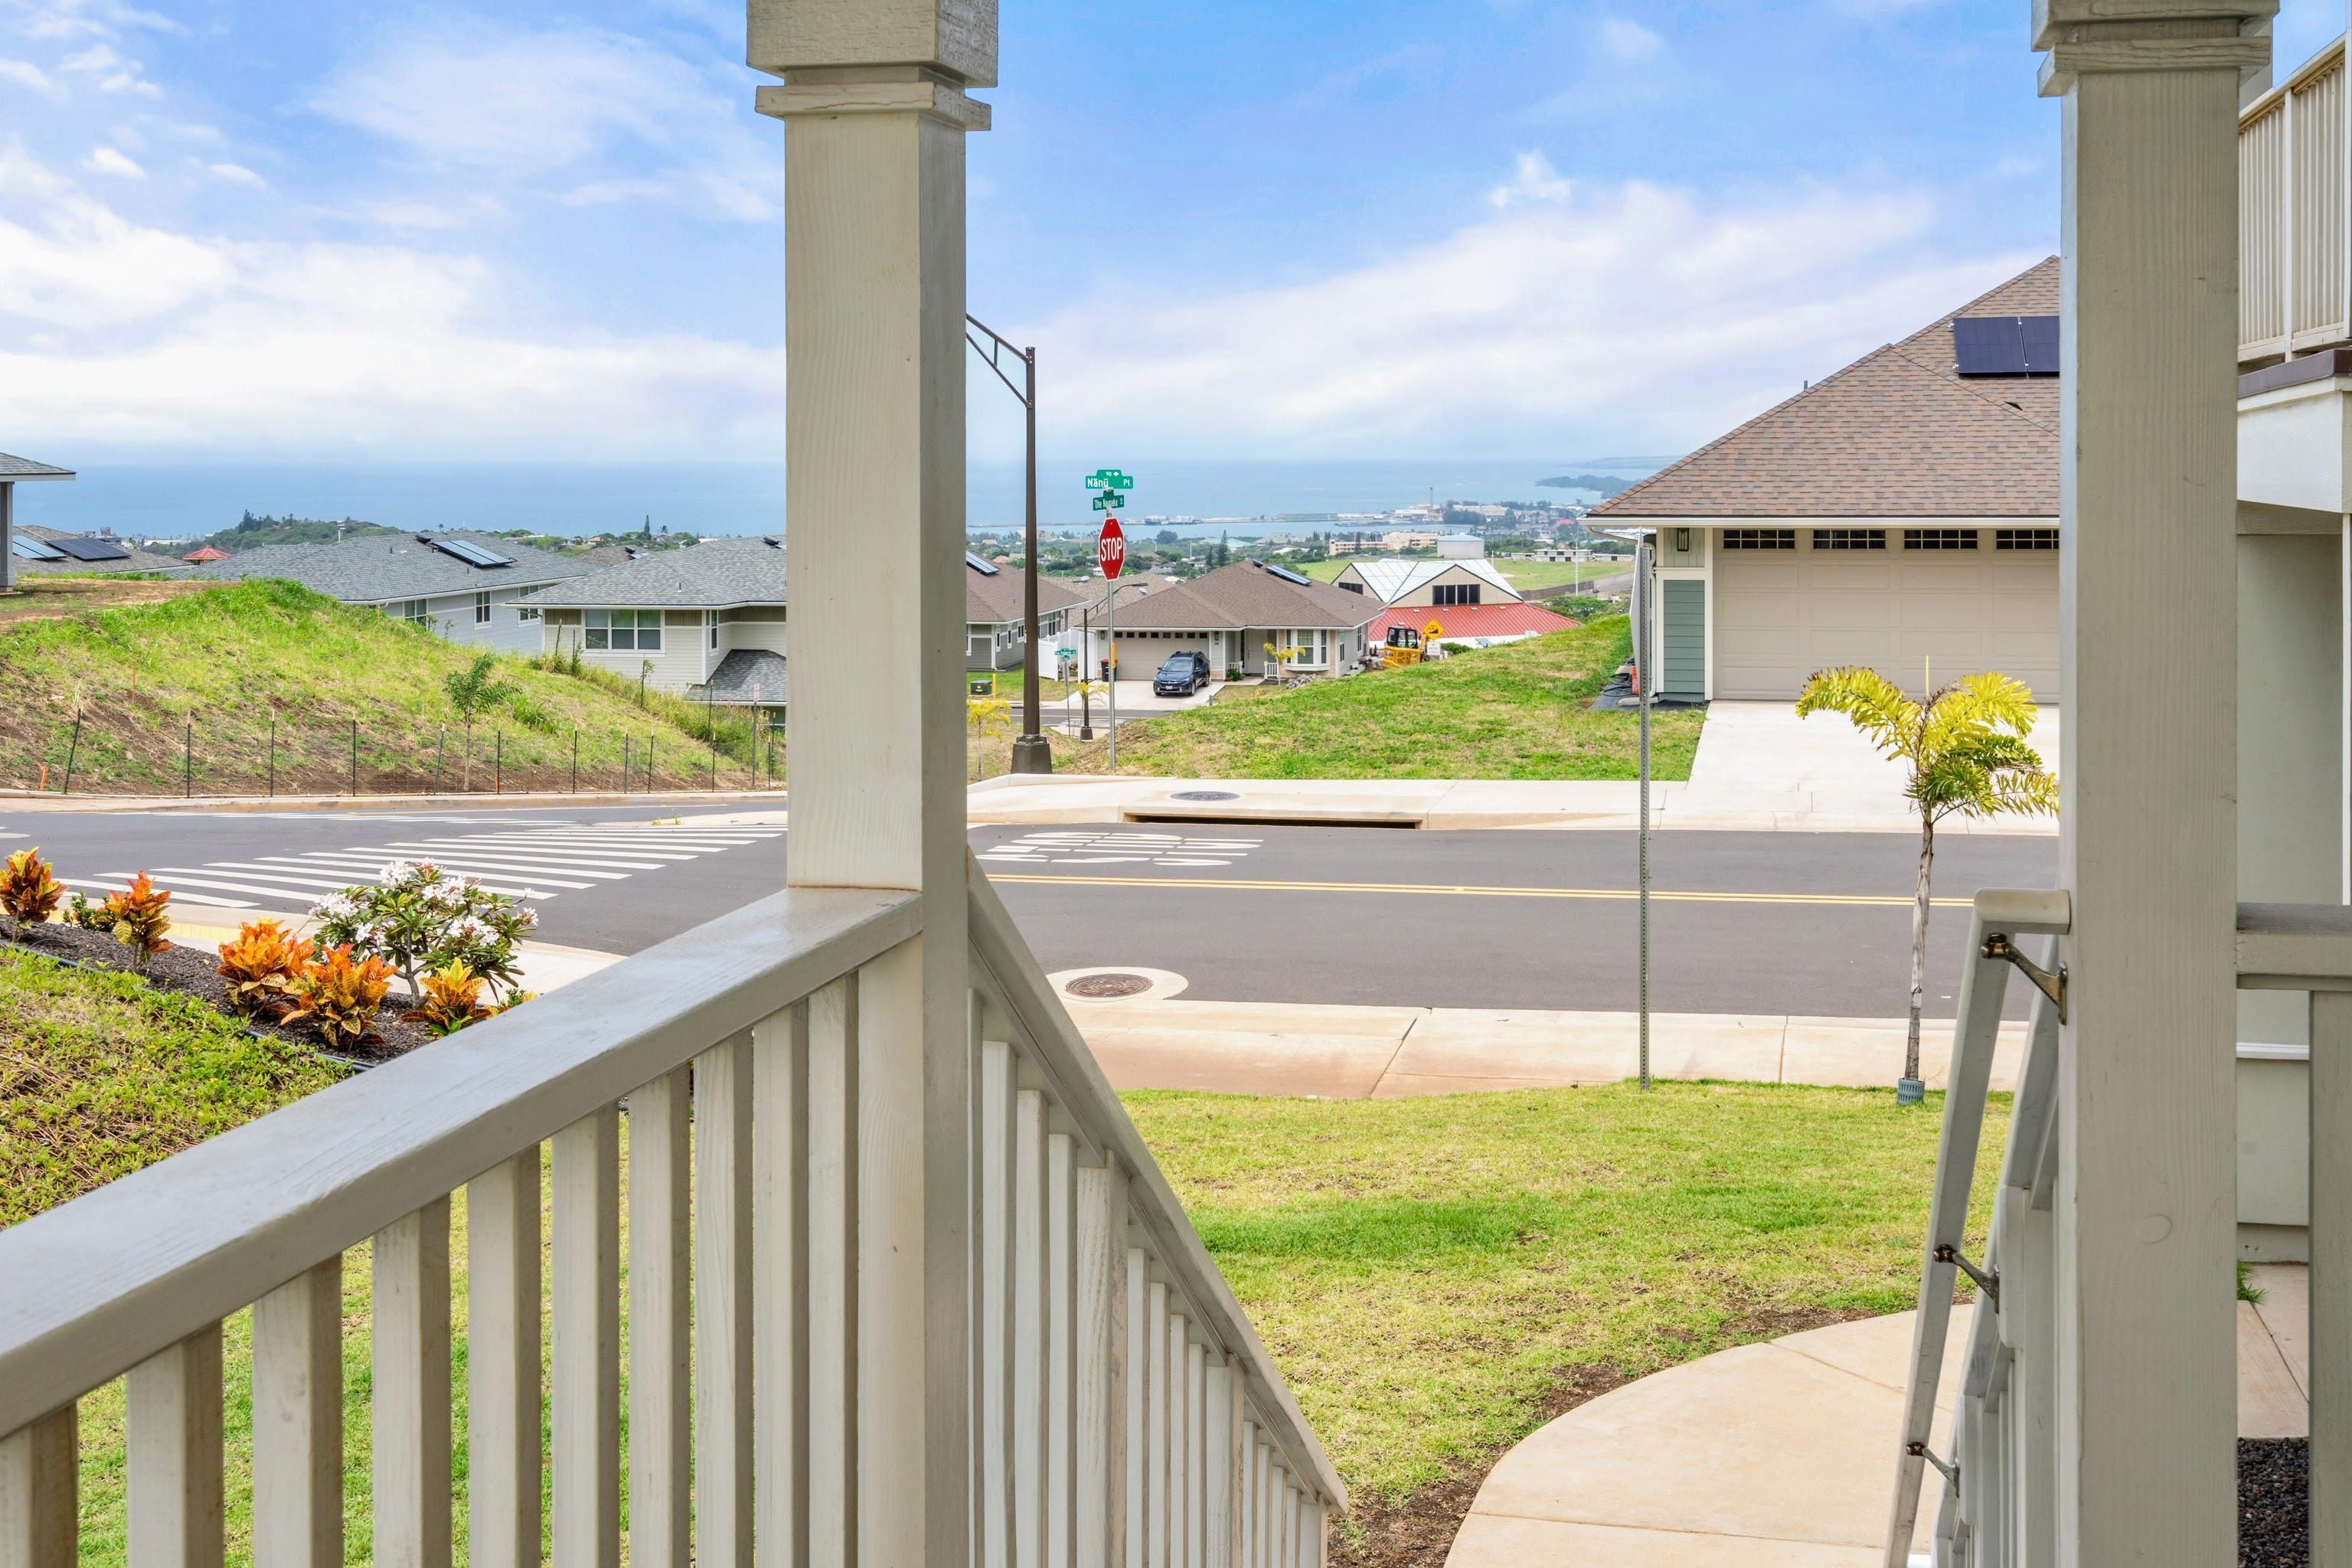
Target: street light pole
{"points": [[1031, 752]]}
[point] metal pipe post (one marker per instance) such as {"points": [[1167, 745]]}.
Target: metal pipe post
{"points": [[498, 762], [273, 758], [355, 758], [1032, 752], [188, 761], [73, 747], [1110, 686], [1645, 597], [575, 759]]}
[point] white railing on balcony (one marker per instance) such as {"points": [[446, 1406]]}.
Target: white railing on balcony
{"points": [[2294, 285], [1122, 1409], [1997, 1504]]}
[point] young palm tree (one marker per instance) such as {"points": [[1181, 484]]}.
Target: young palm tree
{"points": [[1966, 753], [474, 691]]}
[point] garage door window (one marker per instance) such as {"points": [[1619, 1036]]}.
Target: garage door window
{"points": [[1849, 538], [2025, 539], [1939, 538], [1759, 539]]}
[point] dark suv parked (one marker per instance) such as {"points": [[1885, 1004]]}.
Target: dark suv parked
{"points": [[1182, 675]]}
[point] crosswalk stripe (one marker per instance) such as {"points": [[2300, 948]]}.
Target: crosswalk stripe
{"points": [[177, 895], [699, 842], [323, 877], [549, 846], [300, 887], [635, 859], [176, 881], [331, 861]]}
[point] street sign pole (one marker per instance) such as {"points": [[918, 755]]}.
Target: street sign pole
{"points": [[1110, 553], [1644, 672], [1111, 609]]}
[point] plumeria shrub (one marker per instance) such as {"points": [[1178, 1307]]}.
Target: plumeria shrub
{"points": [[339, 995], [27, 891], [421, 917], [261, 966]]}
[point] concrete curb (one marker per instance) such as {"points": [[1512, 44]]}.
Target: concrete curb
{"points": [[24, 801]]}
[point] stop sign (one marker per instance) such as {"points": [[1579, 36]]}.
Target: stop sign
{"points": [[1111, 549]]}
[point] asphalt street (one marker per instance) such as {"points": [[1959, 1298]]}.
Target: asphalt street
{"points": [[1753, 923]]}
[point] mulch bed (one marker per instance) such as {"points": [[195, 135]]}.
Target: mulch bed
{"points": [[189, 969], [2273, 1502]]}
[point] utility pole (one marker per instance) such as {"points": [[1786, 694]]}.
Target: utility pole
{"points": [[1032, 753]]}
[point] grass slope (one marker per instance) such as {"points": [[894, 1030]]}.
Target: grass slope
{"points": [[99, 1076], [228, 664], [1518, 711], [1426, 1271]]}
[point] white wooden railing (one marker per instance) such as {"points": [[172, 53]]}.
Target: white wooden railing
{"points": [[1122, 1410], [2294, 286], [1998, 1494]]}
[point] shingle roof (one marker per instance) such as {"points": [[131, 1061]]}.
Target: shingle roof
{"points": [[376, 567], [1898, 433], [747, 675], [717, 574], [134, 562], [995, 601], [26, 468], [1390, 580], [1242, 596], [1471, 620]]}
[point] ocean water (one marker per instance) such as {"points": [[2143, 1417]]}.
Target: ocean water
{"points": [[174, 500]]}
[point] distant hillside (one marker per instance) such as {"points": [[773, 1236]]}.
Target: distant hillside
{"points": [[217, 681], [1603, 484], [253, 532]]}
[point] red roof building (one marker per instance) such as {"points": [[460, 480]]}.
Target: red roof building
{"points": [[1468, 623], [207, 553]]}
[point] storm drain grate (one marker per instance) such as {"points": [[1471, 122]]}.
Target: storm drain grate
{"points": [[1100, 986], [1205, 795]]}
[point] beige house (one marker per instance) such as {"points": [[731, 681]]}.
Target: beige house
{"points": [[1900, 515], [1441, 584]]}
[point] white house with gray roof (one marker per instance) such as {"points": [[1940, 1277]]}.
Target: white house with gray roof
{"points": [[711, 613], [1444, 584], [469, 587]]}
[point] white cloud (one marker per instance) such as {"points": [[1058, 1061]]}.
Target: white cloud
{"points": [[1628, 42], [1634, 314], [1534, 180], [27, 74], [234, 173], [97, 57], [114, 331], [87, 18], [107, 161]]}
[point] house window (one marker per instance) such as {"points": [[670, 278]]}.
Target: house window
{"points": [[1939, 538], [1455, 593], [1759, 539], [1849, 538], [1352, 588], [625, 630], [2025, 539], [482, 608], [409, 610], [524, 613], [1313, 649], [714, 627]]}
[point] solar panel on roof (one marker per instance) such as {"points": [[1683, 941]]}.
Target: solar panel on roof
{"points": [[2041, 344], [469, 553], [985, 568], [91, 549], [33, 549], [2005, 345], [1286, 574]]}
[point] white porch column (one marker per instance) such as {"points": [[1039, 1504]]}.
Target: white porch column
{"points": [[2146, 1373], [873, 102]]}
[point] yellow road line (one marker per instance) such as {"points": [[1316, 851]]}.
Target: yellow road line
{"points": [[1626, 895]]}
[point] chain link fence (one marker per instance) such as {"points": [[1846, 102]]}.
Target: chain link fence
{"points": [[124, 754]]}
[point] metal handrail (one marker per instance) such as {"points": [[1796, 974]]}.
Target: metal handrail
{"points": [[2003, 914]]}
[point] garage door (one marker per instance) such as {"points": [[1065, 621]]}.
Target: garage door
{"points": [[1779, 614]]}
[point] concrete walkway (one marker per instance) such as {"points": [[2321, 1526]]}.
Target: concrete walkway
{"points": [[1336, 1052], [1760, 758], [1778, 1455]]}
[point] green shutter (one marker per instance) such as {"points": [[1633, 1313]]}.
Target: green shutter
{"points": [[1682, 636]]}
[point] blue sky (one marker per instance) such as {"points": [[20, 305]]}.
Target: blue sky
{"points": [[324, 230]]}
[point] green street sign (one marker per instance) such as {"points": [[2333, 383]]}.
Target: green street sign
{"points": [[1109, 479], [1110, 501]]}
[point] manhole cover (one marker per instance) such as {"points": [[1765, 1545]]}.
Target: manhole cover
{"points": [[1106, 986], [1205, 795]]}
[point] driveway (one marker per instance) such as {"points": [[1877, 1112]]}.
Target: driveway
{"points": [[1135, 701], [1759, 756]]}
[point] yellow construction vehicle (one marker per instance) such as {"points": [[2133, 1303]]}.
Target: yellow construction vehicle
{"points": [[1406, 645]]}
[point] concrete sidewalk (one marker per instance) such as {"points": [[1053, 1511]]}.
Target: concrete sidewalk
{"points": [[1338, 1052], [1782, 1454]]}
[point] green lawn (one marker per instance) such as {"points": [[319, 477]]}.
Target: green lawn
{"points": [[225, 665], [1519, 711], [1525, 575]]}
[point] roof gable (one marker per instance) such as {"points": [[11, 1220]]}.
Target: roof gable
{"points": [[1391, 579], [376, 567], [716, 573], [1898, 433], [1245, 595]]}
